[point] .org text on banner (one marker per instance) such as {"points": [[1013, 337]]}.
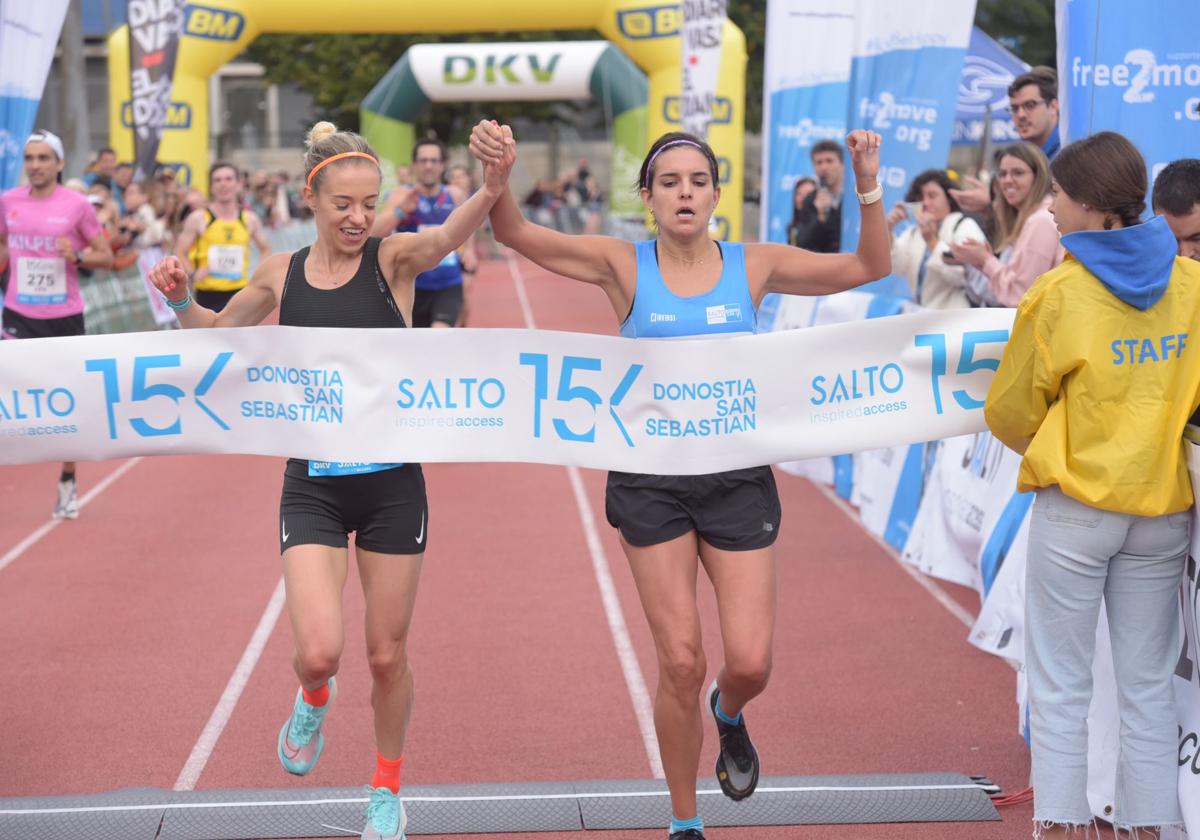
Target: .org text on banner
{"points": [[679, 407], [904, 77]]}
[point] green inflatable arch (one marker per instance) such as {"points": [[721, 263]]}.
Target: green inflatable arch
{"points": [[520, 71]]}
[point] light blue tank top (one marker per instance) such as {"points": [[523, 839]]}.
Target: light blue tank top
{"points": [[726, 309]]}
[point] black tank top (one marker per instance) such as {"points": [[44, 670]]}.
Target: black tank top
{"points": [[364, 302]]}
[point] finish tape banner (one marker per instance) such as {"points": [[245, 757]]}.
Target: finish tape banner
{"points": [[355, 396]]}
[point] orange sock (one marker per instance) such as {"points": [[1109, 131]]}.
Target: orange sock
{"points": [[387, 773], [317, 698]]}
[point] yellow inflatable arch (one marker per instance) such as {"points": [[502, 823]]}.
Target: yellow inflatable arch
{"points": [[647, 31]]}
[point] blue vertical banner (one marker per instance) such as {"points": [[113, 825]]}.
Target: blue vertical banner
{"points": [[806, 82], [1121, 68], [28, 35], [904, 77], [983, 86]]}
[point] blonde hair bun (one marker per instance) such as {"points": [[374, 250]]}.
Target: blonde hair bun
{"points": [[319, 132]]}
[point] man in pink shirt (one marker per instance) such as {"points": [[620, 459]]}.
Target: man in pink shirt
{"points": [[47, 233]]}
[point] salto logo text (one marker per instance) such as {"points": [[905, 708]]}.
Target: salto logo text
{"points": [[462, 69]]}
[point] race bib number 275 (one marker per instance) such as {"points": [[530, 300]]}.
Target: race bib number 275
{"points": [[41, 282]]}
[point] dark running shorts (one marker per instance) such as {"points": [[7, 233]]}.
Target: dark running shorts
{"points": [[437, 305], [20, 326], [212, 299], [733, 511], [387, 510]]}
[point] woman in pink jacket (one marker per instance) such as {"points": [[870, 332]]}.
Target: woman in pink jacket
{"points": [[1026, 237]]}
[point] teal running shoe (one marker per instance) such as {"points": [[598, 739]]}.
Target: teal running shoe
{"points": [[385, 816], [300, 739]]}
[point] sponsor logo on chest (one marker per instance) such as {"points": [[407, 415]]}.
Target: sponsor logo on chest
{"points": [[724, 313]]}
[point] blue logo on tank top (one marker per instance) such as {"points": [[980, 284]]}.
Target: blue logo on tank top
{"points": [[727, 313]]}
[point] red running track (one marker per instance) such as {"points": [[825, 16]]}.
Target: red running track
{"points": [[123, 628]]}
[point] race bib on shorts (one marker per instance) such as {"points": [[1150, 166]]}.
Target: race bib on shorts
{"points": [[228, 262], [41, 281], [347, 467]]}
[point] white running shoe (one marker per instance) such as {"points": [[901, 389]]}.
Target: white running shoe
{"points": [[386, 819], [67, 506]]}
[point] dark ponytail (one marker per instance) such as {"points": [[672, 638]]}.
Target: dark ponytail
{"points": [[1107, 173]]}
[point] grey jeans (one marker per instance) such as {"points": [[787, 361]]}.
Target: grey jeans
{"points": [[1077, 555]]}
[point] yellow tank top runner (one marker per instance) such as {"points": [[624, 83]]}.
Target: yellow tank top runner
{"points": [[223, 248]]}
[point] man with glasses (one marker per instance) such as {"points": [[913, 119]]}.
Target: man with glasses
{"points": [[1033, 99], [438, 301]]}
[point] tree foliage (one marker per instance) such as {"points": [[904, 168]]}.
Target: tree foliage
{"points": [[1024, 26]]}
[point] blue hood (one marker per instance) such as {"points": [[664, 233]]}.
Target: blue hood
{"points": [[1133, 263]]}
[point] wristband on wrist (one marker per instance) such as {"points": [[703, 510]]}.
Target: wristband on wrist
{"points": [[871, 196], [181, 305]]}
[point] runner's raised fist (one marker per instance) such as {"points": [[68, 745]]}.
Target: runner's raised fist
{"points": [[864, 154], [169, 278]]}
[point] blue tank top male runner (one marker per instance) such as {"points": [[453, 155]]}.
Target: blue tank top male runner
{"points": [[432, 211]]}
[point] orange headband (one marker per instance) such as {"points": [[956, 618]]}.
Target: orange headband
{"points": [[330, 160]]}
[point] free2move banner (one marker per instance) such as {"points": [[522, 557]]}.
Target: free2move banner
{"points": [[1131, 68], [908, 58], [348, 396]]}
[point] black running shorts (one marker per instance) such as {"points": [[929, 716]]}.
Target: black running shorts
{"points": [[437, 305], [21, 326], [387, 510], [214, 300], [733, 511]]}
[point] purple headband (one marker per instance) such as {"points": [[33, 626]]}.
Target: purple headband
{"points": [[661, 149]]}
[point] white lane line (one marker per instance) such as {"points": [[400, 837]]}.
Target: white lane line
{"points": [[515, 797], [223, 711], [27, 543], [927, 583], [635, 682], [522, 296]]}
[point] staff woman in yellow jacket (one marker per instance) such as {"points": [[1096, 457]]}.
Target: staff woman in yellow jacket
{"points": [[1095, 387]]}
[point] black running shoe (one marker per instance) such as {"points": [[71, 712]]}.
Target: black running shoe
{"points": [[737, 763], [687, 834]]}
